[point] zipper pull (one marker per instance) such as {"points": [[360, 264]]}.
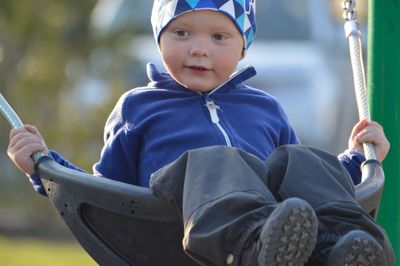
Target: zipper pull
{"points": [[212, 108]]}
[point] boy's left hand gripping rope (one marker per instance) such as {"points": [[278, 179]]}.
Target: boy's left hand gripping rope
{"points": [[14, 120]]}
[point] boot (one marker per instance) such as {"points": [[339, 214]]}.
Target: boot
{"points": [[287, 237], [356, 248]]}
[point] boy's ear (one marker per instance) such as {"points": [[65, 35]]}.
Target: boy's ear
{"points": [[243, 53]]}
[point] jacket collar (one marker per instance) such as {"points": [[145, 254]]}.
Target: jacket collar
{"points": [[163, 79]]}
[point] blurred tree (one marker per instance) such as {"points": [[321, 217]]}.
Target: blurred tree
{"points": [[60, 77]]}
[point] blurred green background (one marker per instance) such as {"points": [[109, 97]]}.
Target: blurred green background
{"points": [[57, 73]]}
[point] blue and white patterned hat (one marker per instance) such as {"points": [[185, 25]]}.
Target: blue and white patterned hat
{"points": [[241, 12]]}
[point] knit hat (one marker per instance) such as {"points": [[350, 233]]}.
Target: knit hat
{"points": [[241, 12]]}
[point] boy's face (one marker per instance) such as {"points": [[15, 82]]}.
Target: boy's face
{"points": [[201, 49]]}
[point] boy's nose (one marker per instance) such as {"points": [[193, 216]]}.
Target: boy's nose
{"points": [[199, 49]]}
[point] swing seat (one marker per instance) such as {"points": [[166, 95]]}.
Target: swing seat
{"points": [[121, 224]]}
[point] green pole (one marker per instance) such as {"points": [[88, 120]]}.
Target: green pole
{"points": [[384, 94]]}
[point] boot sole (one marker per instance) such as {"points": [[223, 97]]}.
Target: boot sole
{"points": [[357, 249], [289, 236]]}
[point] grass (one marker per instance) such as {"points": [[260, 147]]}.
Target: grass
{"points": [[33, 252]]}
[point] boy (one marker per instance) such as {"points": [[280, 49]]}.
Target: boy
{"points": [[206, 157]]}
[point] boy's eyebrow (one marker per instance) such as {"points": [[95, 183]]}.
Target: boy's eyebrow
{"points": [[177, 25], [221, 28], [180, 22]]}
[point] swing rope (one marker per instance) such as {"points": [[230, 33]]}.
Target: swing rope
{"points": [[9, 113], [15, 122], [353, 36]]}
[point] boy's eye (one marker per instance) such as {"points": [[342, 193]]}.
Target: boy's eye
{"points": [[181, 33], [219, 37]]}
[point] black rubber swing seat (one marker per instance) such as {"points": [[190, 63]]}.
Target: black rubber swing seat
{"points": [[121, 224]]}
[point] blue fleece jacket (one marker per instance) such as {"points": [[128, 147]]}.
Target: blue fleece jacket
{"points": [[151, 126]]}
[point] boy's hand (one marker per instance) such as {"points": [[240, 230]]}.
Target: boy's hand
{"points": [[371, 132], [23, 143]]}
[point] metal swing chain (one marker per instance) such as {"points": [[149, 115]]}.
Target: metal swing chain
{"points": [[349, 13], [353, 35]]}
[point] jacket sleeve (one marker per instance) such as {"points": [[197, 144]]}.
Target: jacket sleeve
{"points": [[120, 154], [352, 161], [35, 179], [287, 133], [289, 136], [119, 157], [37, 184]]}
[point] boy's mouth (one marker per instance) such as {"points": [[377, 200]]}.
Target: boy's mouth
{"points": [[198, 68]]}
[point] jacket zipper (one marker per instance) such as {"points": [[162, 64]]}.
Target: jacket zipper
{"points": [[213, 110]]}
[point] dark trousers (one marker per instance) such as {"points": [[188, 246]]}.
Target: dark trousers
{"points": [[224, 195]]}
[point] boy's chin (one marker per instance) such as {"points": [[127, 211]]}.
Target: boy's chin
{"points": [[197, 88], [202, 90]]}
